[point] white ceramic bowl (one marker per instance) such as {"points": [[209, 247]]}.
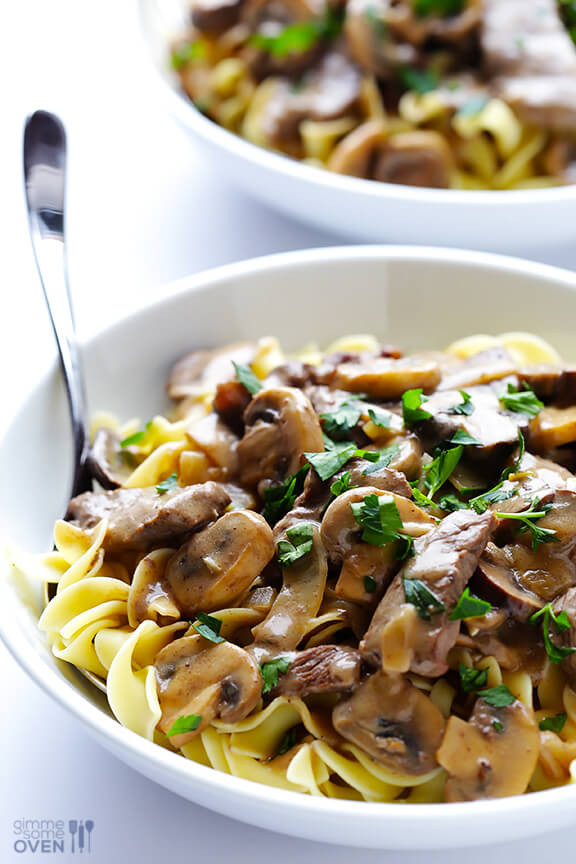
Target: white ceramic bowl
{"points": [[361, 209], [417, 298]]}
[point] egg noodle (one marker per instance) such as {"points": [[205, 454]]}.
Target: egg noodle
{"points": [[97, 621]]}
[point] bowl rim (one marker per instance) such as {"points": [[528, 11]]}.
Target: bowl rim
{"points": [[271, 160], [118, 737]]}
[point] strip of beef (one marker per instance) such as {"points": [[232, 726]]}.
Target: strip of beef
{"points": [[393, 722], [444, 562], [324, 669], [543, 101], [364, 473], [139, 518], [522, 38], [567, 604]]}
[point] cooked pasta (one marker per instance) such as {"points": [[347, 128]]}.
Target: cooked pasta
{"points": [[466, 94], [349, 574]]}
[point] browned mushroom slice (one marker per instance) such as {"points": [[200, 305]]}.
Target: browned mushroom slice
{"points": [[324, 669], [545, 573], [553, 427], [299, 600], [408, 458], [217, 565], [493, 364], [500, 746], [421, 158], [209, 681], [355, 154], [393, 722], [406, 639], [386, 378], [216, 16], [364, 565], [417, 28], [281, 425], [213, 437], [139, 518], [370, 41], [199, 371], [111, 464], [551, 383]]}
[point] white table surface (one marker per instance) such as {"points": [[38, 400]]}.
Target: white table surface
{"points": [[143, 209]]}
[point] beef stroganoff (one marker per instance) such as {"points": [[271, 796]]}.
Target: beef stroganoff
{"points": [[465, 94], [350, 574]]}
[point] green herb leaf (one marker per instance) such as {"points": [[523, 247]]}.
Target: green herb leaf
{"points": [[342, 484], [472, 679], [385, 457], [440, 470], [299, 543], [462, 437], [331, 461], [300, 36], [340, 423], [379, 418], [450, 503], [380, 521], [469, 606], [442, 8], [482, 502], [270, 672], [419, 80], [411, 410], [561, 623], [168, 484], [247, 378], [370, 584], [184, 724], [498, 697], [187, 52], [553, 724], [420, 596], [466, 407], [288, 742], [136, 438], [497, 726], [527, 518], [209, 627], [279, 499], [421, 499], [522, 401]]}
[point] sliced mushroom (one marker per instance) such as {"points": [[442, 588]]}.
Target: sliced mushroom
{"points": [[230, 402], [387, 378], [356, 153], [493, 364], [362, 562], [110, 464], [364, 473], [210, 681], [324, 669], [500, 746], [370, 41], [299, 600], [393, 722], [498, 579], [216, 16], [551, 383], [201, 371], [444, 562], [217, 565], [211, 435], [281, 425], [553, 427], [139, 518], [420, 158]]}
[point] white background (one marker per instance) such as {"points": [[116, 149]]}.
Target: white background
{"points": [[143, 209]]}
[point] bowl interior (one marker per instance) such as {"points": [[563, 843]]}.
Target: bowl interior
{"points": [[417, 299]]}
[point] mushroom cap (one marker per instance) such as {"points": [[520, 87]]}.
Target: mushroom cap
{"points": [[217, 565], [393, 722], [389, 378], [209, 680]]}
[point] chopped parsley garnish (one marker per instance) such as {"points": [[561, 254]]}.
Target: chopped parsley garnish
{"points": [[184, 724], [553, 724], [561, 623], [451, 503], [522, 401], [469, 606], [338, 424], [270, 672], [209, 627], [527, 518], [379, 418], [380, 522], [168, 484], [425, 602], [497, 726], [300, 36], [136, 438], [462, 437], [288, 742], [498, 697], [385, 457], [279, 500], [419, 80], [187, 52], [329, 462], [482, 502], [440, 470], [247, 378], [466, 407], [370, 584], [472, 679], [411, 407], [421, 499], [299, 543], [443, 8], [342, 484]]}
